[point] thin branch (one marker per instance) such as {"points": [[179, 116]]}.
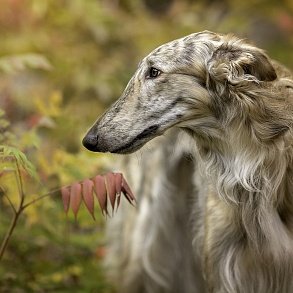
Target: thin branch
{"points": [[16, 214], [21, 207], [50, 193], [9, 233], [20, 186], [11, 204]]}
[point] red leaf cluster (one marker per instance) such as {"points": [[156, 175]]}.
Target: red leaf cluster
{"points": [[107, 188]]}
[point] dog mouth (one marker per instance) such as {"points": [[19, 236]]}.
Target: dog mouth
{"points": [[138, 141]]}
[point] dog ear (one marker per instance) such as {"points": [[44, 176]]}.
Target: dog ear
{"points": [[238, 63]]}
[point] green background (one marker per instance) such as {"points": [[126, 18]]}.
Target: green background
{"points": [[61, 64]]}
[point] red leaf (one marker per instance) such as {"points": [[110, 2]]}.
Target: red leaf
{"points": [[118, 186], [75, 195], [101, 192], [87, 194], [118, 182], [65, 192], [111, 188], [127, 191]]}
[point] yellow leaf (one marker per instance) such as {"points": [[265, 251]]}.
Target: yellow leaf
{"points": [[50, 106], [75, 270]]}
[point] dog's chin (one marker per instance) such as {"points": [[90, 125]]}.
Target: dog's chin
{"points": [[127, 149], [137, 142], [132, 147]]}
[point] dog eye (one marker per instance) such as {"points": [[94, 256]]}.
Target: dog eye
{"points": [[153, 73]]}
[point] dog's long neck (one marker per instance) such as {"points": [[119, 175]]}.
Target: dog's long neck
{"points": [[254, 180]]}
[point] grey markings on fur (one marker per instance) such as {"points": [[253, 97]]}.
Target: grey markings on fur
{"points": [[226, 225]]}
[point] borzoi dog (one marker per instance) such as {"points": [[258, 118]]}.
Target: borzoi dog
{"points": [[215, 184]]}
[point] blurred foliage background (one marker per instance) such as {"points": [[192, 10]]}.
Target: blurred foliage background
{"points": [[61, 64]]}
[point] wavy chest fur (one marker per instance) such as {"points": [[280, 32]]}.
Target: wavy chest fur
{"points": [[225, 221]]}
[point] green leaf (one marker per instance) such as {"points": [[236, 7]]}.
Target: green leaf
{"points": [[16, 63], [4, 123], [21, 159]]}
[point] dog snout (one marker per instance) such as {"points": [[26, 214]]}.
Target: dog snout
{"points": [[90, 141]]}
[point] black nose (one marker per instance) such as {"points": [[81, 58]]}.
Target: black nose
{"points": [[90, 141]]}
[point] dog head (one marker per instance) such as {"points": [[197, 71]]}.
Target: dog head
{"points": [[186, 83]]}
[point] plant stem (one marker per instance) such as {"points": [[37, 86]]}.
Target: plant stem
{"points": [[50, 193], [11, 204], [16, 213], [9, 232]]}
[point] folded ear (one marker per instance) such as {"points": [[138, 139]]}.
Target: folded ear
{"points": [[236, 62]]}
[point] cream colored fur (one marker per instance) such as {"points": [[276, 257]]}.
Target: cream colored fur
{"points": [[215, 192]]}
